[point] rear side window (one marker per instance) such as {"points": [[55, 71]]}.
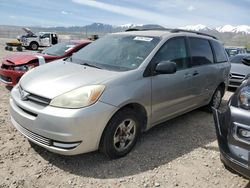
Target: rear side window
{"points": [[174, 50], [201, 51], [220, 52]]}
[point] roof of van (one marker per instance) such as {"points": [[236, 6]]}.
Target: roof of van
{"points": [[167, 33]]}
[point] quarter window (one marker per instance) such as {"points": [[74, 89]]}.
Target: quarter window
{"points": [[173, 50], [220, 52], [201, 51]]}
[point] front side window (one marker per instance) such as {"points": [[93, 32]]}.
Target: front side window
{"points": [[201, 51], [116, 52], [174, 50], [47, 35]]}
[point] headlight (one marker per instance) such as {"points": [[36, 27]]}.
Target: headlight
{"points": [[79, 98], [23, 68], [244, 98]]}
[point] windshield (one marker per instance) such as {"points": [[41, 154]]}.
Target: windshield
{"points": [[116, 52], [59, 49]]}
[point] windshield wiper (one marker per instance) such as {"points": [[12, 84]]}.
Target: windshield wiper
{"points": [[91, 65]]}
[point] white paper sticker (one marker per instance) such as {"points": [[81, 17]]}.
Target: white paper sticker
{"points": [[146, 39]]}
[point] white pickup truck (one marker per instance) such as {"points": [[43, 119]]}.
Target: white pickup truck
{"points": [[35, 40]]}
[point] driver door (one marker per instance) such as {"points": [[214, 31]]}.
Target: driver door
{"points": [[45, 40]]}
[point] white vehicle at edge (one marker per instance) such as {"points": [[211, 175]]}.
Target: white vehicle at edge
{"points": [[41, 39]]}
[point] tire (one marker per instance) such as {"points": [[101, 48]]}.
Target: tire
{"points": [[33, 46], [121, 134], [19, 48], [6, 48], [10, 48], [216, 99]]}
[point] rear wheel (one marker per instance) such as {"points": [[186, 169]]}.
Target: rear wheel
{"points": [[19, 48], [121, 134]]}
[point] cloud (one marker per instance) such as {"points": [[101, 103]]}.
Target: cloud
{"points": [[13, 17], [191, 8], [66, 12], [138, 13]]}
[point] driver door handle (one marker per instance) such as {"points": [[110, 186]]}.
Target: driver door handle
{"points": [[195, 73]]}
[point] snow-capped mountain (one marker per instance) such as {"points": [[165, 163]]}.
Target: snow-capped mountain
{"points": [[129, 25], [198, 27], [243, 29], [225, 28], [234, 29]]}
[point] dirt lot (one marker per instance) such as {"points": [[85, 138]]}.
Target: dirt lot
{"points": [[182, 152]]}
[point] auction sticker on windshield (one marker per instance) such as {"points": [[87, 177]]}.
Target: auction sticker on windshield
{"points": [[147, 39]]}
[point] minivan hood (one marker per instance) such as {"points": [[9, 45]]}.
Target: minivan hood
{"points": [[240, 68], [59, 77]]}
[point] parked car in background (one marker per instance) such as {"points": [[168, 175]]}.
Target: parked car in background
{"points": [[109, 92], [232, 51], [33, 41], [14, 66], [233, 131], [239, 70]]}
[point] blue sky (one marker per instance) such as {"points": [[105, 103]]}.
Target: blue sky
{"points": [[169, 13]]}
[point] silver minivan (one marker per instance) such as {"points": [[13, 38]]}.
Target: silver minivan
{"points": [[123, 84]]}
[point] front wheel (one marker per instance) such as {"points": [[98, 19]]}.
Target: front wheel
{"points": [[216, 99], [33, 46], [121, 134]]}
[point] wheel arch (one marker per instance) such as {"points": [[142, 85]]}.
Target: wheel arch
{"points": [[222, 85], [134, 106]]}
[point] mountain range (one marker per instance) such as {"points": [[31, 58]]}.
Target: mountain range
{"points": [[243, 29], [104, 28], [228, 34]]}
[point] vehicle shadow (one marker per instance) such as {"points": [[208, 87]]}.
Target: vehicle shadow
{"points": [[157, 147]]}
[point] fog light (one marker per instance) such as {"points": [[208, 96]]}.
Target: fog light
{"points": [[244, 133], [66, 145]]}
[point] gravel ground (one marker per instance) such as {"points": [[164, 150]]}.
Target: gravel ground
{"points": [[182, 152]]}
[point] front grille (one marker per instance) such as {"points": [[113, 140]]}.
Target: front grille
{"points": [[231, 83], [35, 136], [235, 76], [34, 98], [38, 99], [28, 112]]}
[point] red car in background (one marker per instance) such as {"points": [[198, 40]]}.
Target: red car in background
{"points": [[14, 66]]}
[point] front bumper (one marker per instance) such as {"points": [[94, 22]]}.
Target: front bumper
{"points": [[10, 77], [46, 125], [235, 151]]}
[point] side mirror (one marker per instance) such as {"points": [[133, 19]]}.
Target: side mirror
{"points": [[166, 67], [246, 61]]}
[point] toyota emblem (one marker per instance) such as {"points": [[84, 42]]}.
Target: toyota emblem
{"points": [[24, 94]]}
